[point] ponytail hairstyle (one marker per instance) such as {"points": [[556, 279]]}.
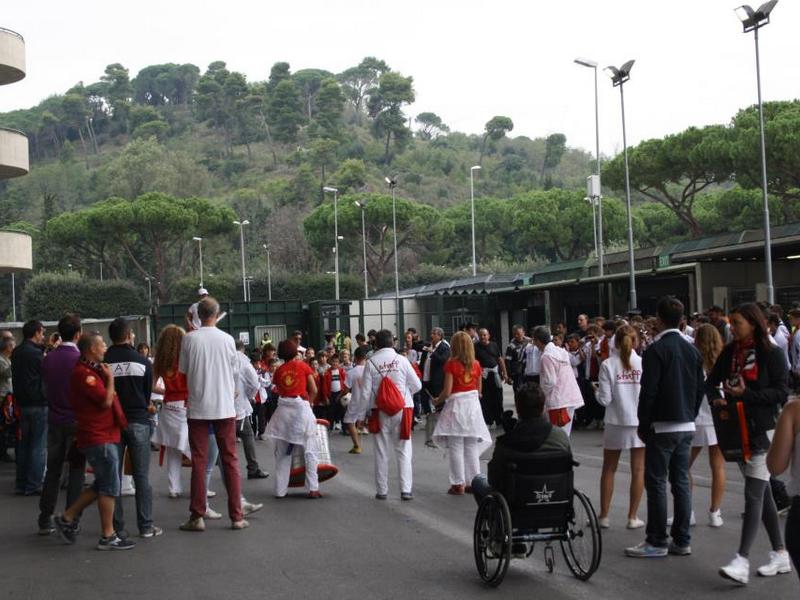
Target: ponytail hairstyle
{"points": [[626, 340]]}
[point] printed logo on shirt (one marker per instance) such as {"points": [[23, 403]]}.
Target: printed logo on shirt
{"points": [[629, 376], [287, 380], [128, 369], [91, 381]]}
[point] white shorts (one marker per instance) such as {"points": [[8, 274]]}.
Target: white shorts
{"points": [[704, 435], [621, 437], [757, 467]]}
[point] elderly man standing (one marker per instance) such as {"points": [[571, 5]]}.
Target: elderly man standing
{"points": [[211, 365], [395, 430]]}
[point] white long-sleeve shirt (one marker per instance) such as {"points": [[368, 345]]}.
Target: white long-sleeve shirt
{"points": [[388, 363], [247, 386], [619, 390]]}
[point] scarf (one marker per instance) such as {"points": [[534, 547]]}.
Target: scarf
{"points": [[743, 361]]}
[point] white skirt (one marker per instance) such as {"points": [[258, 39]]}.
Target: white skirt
{"points": [[356, 409], [173, 430], [462, 417], [621, 437], [294, 422], [704, 435]]}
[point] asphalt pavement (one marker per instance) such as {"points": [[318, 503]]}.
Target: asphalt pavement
{"points": [[350, 545]]}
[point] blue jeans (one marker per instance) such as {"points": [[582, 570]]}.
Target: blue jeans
{"points": [[480, 487], [31, 450], [136, 438], [667, 457]]}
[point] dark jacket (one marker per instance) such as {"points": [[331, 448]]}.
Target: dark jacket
{"points": [[133, 381], [762, 398], [57, 369], [525, 439], [672, 382], [438, 358], [26, 374]]}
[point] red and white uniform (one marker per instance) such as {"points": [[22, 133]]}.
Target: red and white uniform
{"points": [[172, 431]]}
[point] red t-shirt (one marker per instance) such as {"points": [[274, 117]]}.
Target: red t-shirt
{"points": [[291, 379], [87, 394], [463, 380]]}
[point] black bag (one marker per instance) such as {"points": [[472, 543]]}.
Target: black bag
{"points": [[733, 435]]}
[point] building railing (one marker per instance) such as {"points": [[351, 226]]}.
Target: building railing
{"points": [[12, 32]]}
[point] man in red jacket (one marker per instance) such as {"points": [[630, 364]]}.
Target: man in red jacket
{"points": [[99, 419]]}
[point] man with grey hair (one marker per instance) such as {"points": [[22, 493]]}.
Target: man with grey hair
{"points": [[210, 362], [557, 380], [432, 361]]}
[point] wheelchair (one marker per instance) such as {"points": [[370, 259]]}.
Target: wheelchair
{"points": [[540, 504]]}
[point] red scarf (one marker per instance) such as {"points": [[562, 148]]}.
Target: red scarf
{"points": [[744, 362]]}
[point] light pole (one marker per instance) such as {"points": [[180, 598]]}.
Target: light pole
{"points": [[392, 183], [472, 204], [753, 20], [363, 206], [101, 271], [618, 78], [269, 274], [335, 192], [241, 225], [598, 198], [149, 292], [13, 298], [199, 241]]}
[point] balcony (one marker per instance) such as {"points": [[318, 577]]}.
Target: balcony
{"points": [[13, 153], [12, 56]]}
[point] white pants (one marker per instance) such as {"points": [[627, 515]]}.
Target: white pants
{"points": [[283, 466], [173, 459], [465, 462], [568, 427], [388, 437]]}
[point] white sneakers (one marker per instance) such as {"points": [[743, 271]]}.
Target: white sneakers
{"points": [[604, 522], [738, 569], [779, 563], [635, 523], [715, 518]]}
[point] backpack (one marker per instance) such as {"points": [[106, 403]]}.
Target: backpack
{"points": [[388, 399]]}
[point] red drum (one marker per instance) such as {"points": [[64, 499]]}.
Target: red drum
{"points": [[325, 468]]}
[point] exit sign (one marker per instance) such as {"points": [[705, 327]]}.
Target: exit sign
{"points": [[663, 261]]}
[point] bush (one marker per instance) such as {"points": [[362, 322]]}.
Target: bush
{"points": [[48, 296]]}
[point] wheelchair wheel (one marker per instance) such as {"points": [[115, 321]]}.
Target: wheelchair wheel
{"points": [[492, 539], [584, 545]]}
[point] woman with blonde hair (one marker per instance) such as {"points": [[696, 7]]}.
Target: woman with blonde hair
{"points": [[709, 342], [172, 433], [460, 427], [620, 377]]}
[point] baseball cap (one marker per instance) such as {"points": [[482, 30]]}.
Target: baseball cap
{"points": [[202, 292]]}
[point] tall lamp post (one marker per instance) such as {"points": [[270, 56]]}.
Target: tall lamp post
{"points": [[392, 183], [363, 206], [241, 225], [335, 192], [618, 78], [598, 200], [269, 274], [753, 20], [199, 241], [472, 205]]}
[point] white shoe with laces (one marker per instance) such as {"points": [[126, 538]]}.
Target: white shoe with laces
{"points": [[737, 570], [604, 522], [211, 514], [715, 518], [779, 563], [635, 523]]}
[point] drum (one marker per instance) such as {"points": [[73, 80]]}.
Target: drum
{"points": [[325, 468]]}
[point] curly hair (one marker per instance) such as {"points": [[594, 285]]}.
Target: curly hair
{"points": [[168, 349], [709, 342]]}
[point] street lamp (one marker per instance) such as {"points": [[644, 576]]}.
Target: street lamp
{"points": [[363, 206], [585, 62], [472, 204], [618, 77], [149, 291], [392, 183], [753, 20], [199, 241], [335, 192], [269, 274], [241, 225]]}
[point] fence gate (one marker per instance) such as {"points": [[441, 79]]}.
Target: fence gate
{"points": [[277, 333]]}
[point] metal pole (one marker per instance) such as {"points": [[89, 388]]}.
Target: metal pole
{"points": [[364, 248], [336, 242], [101, 271], [269, 279], [472, 211], [149, 292], [13, 298], [631, 266], [594, 224], [200, 244], [767, 232], [394, 241], [244, 274], [600, 253]]}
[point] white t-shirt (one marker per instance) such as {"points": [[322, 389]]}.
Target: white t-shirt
{"points": [[353, 382], [336, 385], [195, 317], [387, 363], [533, 359], [210, 362]]}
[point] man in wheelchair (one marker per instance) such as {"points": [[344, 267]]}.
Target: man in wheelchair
{"points": [[527, 437]]}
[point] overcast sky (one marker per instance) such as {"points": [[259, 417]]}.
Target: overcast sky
{"points": [[470, 59]]}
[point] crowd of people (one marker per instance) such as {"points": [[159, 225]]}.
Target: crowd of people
{"points": [[658, 387]]}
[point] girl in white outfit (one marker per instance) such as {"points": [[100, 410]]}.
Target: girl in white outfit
{"points": [[620, 377], [460, 427]]}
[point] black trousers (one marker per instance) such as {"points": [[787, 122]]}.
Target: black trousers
{"points": [[492, 401], [793, 533]]}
